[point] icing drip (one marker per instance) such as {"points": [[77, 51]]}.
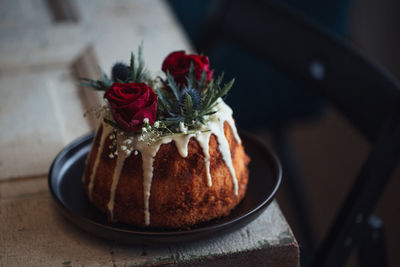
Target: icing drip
{"points": [[227, 116], [106, 132], [204, 141], [117, 173], [214, 126], [148, 154], [182, 144]]}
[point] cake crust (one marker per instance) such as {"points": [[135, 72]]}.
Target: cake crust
{"points": [[179, 196]]}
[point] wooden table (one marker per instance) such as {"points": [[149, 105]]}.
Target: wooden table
{"points": [[43, 49]]}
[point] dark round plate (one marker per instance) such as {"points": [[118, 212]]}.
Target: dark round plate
{"points": [[65, 185]]}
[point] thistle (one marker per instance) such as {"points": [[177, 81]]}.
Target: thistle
{"points": [[120, 72], [194, 95], [191, 106]]}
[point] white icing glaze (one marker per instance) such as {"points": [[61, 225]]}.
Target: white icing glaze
{"points": [[107, 129], [204, 141], [115, 180], [148, 154], [215, 125], [225, 113], [181, 143]]}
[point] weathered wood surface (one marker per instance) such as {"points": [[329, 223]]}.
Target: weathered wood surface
{"points": [[41, 111], [34, 233], [40, 106]]}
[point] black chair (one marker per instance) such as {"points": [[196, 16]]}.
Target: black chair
{"points": [[366, 95]]}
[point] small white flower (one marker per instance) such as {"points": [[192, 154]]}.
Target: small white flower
{"points": [[135, 152], [112, 136], [182, 127], [146, 120], [128, 152], [144, 130], [128, 141], [157, 124], [123, 148], [111, 156]]}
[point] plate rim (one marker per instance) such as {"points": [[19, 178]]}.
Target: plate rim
{"points": [[84, 222]]}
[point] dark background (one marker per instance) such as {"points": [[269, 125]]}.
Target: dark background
{"points": [[328, 149]]}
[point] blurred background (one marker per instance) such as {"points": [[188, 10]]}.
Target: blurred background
{"points": [[326, 151]]}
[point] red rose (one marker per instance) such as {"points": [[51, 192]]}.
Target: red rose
{"points": [[178, 65], [131, 103]]}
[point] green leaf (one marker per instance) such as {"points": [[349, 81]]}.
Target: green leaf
{"points": [[141, 63], [209, 113], [84, 84], [202, 82], [104, 78], [163, 99], [132, 67], [208, 97], [173, 86], [191, 77], [113, 124], [188, 104], [225, 89], [97, 85]]}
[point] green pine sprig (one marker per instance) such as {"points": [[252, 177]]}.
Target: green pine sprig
{"points": [[175, 108], [138, 73], [101, 85]]}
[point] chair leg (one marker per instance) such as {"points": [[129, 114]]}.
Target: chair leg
{"points": [[372, 250], [294, 185]]}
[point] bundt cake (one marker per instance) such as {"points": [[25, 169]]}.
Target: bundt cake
{"points": [[170, 159]]}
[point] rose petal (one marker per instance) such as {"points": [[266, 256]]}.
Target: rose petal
{"points": [[131, 103], [178, 65]]}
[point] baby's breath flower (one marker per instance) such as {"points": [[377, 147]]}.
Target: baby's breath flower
{"points": [[182, 127], [128, 141]]}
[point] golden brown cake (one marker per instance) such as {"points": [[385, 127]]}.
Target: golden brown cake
{"points": [[171, 159], [181, 192]]}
